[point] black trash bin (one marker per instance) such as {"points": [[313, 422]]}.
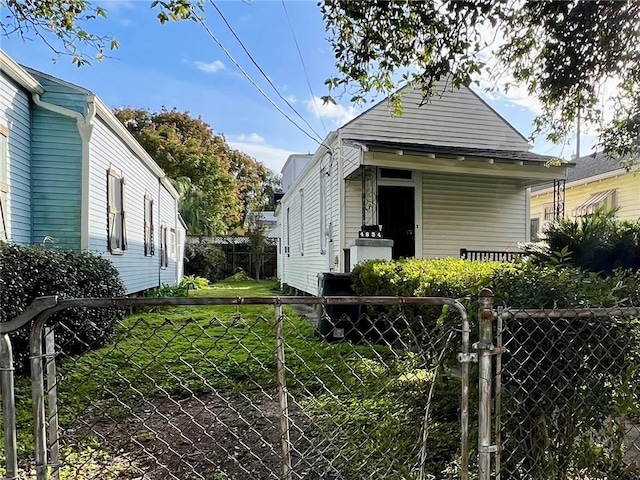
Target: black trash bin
{"points": [[337, 322]]}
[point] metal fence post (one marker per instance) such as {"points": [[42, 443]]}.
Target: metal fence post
{"points": [[485, 347], [8, 407], [52, 393], [283, 395]]}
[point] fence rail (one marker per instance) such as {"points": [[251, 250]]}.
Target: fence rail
{"points": [[355, 388], [253, 392]]}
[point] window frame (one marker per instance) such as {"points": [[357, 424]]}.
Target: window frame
{"points": [[4, 183], [323, 212], [301, 222], [164, 253], [149, 240], [115, 177]]}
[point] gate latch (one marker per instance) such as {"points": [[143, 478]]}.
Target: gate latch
{"points": [[468, 357]]}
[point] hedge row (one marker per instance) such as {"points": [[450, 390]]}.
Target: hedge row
{"points": [[30, 272], [517, 285]]}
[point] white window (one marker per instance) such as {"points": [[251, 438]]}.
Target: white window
{"points": [[171, 244], [301, 222], [323, 213], [534, 224], [149, 247], [116, 217], [4, 183], [164, 247], [287, 247]]}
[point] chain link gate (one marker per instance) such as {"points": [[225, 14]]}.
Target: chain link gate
{"points": [[247, 394], [562, 388]]}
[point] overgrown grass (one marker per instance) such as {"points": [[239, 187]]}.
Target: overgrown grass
{"points": [[376, 393]]}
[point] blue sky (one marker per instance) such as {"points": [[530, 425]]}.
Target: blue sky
{"points": [[179, 65]]}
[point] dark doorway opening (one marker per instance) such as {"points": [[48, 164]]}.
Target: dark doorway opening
{"points": [[396, 214]]}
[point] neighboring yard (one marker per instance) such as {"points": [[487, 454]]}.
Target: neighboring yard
{"points": [[191, 392]]}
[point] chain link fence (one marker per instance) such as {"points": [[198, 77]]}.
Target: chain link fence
{"points": [[256, 391], [568, 394]]}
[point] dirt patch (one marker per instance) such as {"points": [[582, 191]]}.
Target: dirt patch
{"points": [[211, 437]]}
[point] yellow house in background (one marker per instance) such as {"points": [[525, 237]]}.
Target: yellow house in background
{"points": [[592, 183]]}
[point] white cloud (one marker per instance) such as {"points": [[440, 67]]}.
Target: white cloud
{"points": [[211, 67], [250, 137], [291, 98], [336, 112], [254, 145]]}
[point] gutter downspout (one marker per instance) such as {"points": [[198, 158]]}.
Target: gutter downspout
{"points": [[85, 129]]}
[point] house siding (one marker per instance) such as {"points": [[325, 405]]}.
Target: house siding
{"points": [[457, 118], [139, 272], [56, 169], [305, 259], [62, 94], [473, 213], [167, 209], [16, 117], [353, 211], [628, 196], [351, 158]]}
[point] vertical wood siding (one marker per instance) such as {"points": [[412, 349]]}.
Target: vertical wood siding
{"points": [[56, 152], [456, 118], [137, 271], [15, 115], [477, 213]]}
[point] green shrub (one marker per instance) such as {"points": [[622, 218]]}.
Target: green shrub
{"points": [[447, 277], [596, 243], [30, 272], [191, 282], [205, 260], [169, 291]]}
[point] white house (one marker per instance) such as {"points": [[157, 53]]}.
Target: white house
{"points": [[70, 172], [448, 175]]}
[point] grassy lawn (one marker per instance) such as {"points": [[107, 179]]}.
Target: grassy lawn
{"points": [[371, 397]]}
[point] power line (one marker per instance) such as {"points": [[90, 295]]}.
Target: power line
{"points": [[304, 67], [262, 92], [255, 63]]}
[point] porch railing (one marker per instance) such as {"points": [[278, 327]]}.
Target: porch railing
{"points": [[489, 255]]}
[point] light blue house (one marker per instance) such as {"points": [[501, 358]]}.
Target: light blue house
{"points": [[71, 173]]}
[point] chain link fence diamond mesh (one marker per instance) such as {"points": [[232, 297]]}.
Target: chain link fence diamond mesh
{"points": [[570, 394], [254, 392]]}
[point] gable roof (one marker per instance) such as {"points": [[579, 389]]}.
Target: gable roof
{"points": [[453, 117], [592, 165]]}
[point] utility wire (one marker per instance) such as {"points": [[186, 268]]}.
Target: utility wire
{"points": [[255, 63], [262, 92], [304, 67]]}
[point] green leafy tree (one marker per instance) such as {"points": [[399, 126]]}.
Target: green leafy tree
{"points": [[193, 207], [563, 52], [61, 24], [186, 147]]}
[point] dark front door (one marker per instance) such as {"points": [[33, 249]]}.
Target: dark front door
{"points": [[396, 214]]}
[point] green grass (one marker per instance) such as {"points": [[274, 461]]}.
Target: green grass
{"points": [[178, 351]]}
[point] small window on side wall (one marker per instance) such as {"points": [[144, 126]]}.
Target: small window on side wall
{"points": [[164, 247], [116, 216], [4, 183], [149, 241], [535, 229]]}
